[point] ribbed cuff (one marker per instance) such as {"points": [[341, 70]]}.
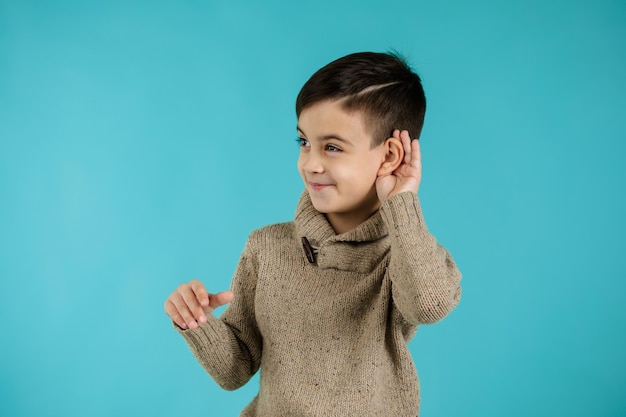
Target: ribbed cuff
{"points": [[202, 336], [402, 210]]}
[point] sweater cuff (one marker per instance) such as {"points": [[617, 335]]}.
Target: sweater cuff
{"points": [[202, 336], [402, 210]]}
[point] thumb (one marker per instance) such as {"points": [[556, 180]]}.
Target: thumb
{"points": [[219, 299]]}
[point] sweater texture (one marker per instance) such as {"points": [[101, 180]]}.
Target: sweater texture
{"points": [[330, 337]]}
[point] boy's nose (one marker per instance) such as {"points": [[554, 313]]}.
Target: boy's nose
{"points": [[312, 163]]}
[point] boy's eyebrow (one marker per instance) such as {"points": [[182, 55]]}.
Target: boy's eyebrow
{"points": [[331, 136]]}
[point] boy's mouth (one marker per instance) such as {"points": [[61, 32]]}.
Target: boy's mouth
{"points": [[318, 186]]}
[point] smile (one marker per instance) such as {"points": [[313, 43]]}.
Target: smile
{"points": [[317, 186]]}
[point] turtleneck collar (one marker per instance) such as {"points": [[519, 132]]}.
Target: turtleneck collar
{"points": [[338, 250]]}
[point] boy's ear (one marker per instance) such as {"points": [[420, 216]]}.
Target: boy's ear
{"points": [[393, 156]]}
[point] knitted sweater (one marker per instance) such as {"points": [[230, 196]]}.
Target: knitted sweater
{"points": [[330, 337]]}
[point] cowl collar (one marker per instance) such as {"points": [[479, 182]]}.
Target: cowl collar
{"points": [[344, 251]]}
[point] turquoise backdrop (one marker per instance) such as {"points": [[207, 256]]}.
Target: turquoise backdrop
{"points": [[140, 143]]}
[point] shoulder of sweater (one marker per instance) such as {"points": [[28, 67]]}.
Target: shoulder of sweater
{"points": [[272, 231]]}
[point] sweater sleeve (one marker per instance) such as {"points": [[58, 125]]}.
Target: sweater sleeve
{"points": [[425, 280], [229, 347]]}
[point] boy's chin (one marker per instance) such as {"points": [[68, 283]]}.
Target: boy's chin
{"points": [[320, 208]]}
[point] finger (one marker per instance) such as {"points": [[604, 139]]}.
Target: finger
{"points": [[406, 144], [200, 291], [172, 312], [416, 152], [188, 301], [181, 309], [221, 298]]}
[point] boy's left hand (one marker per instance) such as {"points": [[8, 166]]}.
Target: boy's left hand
{"points": [[408, 175]]}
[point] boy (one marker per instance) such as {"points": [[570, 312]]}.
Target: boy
{"points": [[325, 305]]}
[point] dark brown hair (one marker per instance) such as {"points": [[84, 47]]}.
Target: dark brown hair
{"points": [[380, 85]]}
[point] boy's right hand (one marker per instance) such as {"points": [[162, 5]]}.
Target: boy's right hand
{"points": [[189, 304]]}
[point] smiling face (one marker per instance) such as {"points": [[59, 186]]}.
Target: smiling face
{"points": [[338, 164]]}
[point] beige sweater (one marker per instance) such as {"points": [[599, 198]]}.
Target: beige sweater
{"points": [[331, 337]]}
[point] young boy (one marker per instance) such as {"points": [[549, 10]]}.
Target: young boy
{"points": [[325, 305]]}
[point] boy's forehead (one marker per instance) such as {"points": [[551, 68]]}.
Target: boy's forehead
{"points": [[330, 117]]}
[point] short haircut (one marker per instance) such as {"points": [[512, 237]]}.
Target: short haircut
{"points": [[380, 85]]}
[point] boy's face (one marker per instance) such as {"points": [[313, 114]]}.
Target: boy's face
{"points": [[338, 164]]}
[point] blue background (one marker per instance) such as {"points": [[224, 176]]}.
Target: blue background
{"points": [[140, 143]]}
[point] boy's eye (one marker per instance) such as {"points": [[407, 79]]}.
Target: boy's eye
{"points": [[302, 142], [333, 148]]}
